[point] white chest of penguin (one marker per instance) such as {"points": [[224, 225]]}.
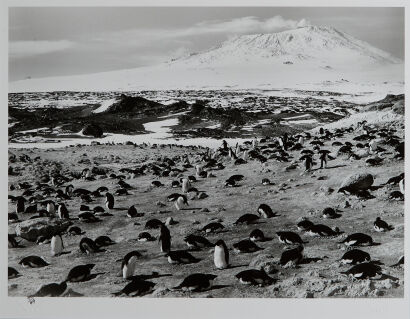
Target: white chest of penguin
{"points": [[219, 258]]}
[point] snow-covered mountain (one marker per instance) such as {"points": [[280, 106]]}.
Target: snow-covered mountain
{"points": [[307, 58]]}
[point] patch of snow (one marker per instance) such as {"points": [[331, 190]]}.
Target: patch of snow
{"points": [[105, 105]]}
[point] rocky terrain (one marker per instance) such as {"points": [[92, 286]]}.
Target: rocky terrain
{"points": [[293, 194]]}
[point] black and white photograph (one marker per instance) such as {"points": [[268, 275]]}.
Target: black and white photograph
{"points": [[205, 152]]}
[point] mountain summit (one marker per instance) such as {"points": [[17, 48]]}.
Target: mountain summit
{"points": [[323, 44], [312, 58]]}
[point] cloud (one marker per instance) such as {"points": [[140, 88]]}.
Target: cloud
{"points": [[23, 49]]}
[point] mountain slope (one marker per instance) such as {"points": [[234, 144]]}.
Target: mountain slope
{"points": [[305, 58]]}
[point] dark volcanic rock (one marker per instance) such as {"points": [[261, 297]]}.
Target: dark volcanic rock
{"points": [[93, 130]]}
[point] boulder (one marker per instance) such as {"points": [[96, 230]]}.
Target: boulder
{"points": [[357, 182], [31, 229], [93, 130]]}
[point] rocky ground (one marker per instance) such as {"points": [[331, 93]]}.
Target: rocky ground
{"points": [[294, 194]]}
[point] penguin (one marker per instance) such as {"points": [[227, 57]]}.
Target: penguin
{"points": [[56, 245], [289, 238], [13, 273], [212, 227], [304, 225], [247, 219], [197, 242], [13, 217], [164, 239], [257, 235], [41, 240], [75, 230], [292, 256], [363, 271], [401, 186], [266, 182], [33, 262], [357, 239], [102, 189], [156, 184], [80, 273], [84, 208], [246, 246], [396, 195], [380, 225], [153, 224], [129, 264], [88, 217], [51, 208], [399, 262], [265, 211], [136, 288], [31, 209], [12, 241], [181, 203], [329, 212], [20, 204], [102, 241], [51, 290], [186, 185], [173, 197], [254, 277], [355, 256], [132, 212], [62, 211], [88, 246], [109, 201], [175, 184], [230, 183], [69, 190], [221, 255], [322, 231], [181, 257], [118, 192], [196, 282]]}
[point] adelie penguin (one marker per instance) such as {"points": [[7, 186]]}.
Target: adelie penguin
{"points": [[381, 226], [212, 227], [56, 246], [181, 202], [292, 257], [20, 205], [132, 212], [109, 200], [197, 242], [265, 211], [80, 273], [247, 219], [13, 273], [323, 231], [257, 235], [12, 241], [289, 238], [304, 225], [88, 246], [153, 224], [33, 262], [62, 211], [196, 282], [357, 239], [51, 290], [181, 257], [129, 264], [364, 271], [144, 236], [246, 246], [136, 288], [355, 256], [221, 255], [254, 277], [102, 241], [51, 208], [164, 239], [75, 230]]}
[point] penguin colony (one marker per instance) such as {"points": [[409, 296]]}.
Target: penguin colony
{"points": [[217, 244]]}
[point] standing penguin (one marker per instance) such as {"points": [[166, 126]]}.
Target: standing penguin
{"points": [[186, 185], [20, 205], [301, 140], [129, 263], [165, 239], [56, 245], [62, 211], [51, 208], [109, 200], [221, 255], [181, 202]]}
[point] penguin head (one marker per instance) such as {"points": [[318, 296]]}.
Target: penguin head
{"points": [[377, 219], [220, 243], [90, 266], [211, 276]]}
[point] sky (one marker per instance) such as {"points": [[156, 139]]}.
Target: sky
{"points": [[51, 41]]}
